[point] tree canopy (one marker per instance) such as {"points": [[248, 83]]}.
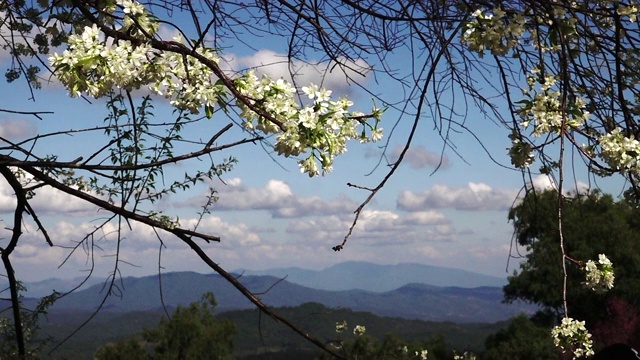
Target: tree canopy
{"points": [[191, 333], [522, 339], [593, 223]]}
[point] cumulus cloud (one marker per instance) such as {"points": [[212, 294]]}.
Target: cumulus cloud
{"points": [[424, 218], [419, 157], [475, 196], [327, 74], [138, 246], [443, 232], [277, 198], [47, 201], [379, 227], [233, 235], [545, 182], [140, 237]]}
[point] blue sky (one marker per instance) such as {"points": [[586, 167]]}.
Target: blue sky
{"points": [[269, 215]]}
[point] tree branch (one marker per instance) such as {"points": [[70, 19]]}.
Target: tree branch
{"points": [[6, 252]]}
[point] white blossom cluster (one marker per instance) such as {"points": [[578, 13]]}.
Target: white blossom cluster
{"points": [[420, 354], [521, 153], [572, 335], [630, 10], [130, 7], [621, 152], [493, 31], [547, 109], [467, 355], [322, 127], [359, 330], [91, 65], [94, 64], [341, 326], [600, 275], [548, 115]]}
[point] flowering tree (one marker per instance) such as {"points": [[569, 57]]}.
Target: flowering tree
{"points": [[113, 49], [566, 80]]}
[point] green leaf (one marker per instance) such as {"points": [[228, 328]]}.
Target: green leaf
{"points": [[208, 110]]}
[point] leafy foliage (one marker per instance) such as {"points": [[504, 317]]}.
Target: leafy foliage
{"points": [[392, 347], [191, 333], [30, 327], [523, 340], [592, 223]]}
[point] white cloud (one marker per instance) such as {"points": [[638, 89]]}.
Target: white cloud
{"points": [[277, 65], [278, 199], [52, 201], [138, 247], [424, 218], [326, 229], [443, 232], [33, 251], [376, 227], [475, 196], [418, 158], [545, 182], [47, 201], [234, 236]]}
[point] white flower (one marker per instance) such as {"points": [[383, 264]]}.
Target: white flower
{"points": [[544, 109], [495, 31], [622, 153], [600, 276], [465, 356], [323, 95], [130, 7], [572, 335], [422, 354], [310, 90], [376, 134], [341, 326], [308, 117], [309, 166], [359, 330]]}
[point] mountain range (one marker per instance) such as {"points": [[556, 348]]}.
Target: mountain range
{"points": [[349, 275], [410, 300], [379, 278]]}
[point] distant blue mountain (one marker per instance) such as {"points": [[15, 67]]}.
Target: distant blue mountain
{"points": [[352, 275], [411, 301], [412, 291], [379, 278], [46, 287]]}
